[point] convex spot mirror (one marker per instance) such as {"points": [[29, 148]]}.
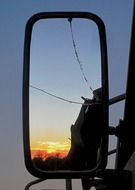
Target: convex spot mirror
{"points": [[65, 95]]}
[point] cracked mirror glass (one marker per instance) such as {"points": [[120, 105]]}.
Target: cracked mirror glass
{"points": [[65, 69]]}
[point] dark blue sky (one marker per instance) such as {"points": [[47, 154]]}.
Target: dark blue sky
{"points": [[14, 15]]}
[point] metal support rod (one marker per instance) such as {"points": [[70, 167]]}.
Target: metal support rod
{"points": [[86, 183], [117, 99], [33, 183], [68, 184], [112, 152]]}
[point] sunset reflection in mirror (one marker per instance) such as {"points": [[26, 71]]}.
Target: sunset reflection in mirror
{"points": [[65, 63]]}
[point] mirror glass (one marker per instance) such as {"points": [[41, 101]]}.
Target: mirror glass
{"points": [[65, 68]]}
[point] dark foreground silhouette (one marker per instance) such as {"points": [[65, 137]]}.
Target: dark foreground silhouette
{"points": [[85, 140]]}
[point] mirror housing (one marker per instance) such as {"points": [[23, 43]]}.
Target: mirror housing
{"points": [[26, 78]]}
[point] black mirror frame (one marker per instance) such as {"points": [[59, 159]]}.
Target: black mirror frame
{"points": [[105, 94]]}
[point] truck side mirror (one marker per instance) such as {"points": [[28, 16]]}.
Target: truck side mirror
{"points": [[65, 57]]}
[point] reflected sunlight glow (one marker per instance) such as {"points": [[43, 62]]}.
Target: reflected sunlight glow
{"points": [[50, 148]]}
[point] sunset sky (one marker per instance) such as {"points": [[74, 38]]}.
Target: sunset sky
{"points": [[49, 148]]}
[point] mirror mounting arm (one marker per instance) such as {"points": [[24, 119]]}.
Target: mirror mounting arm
{"points": [[119, 131], [33, 183]]}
